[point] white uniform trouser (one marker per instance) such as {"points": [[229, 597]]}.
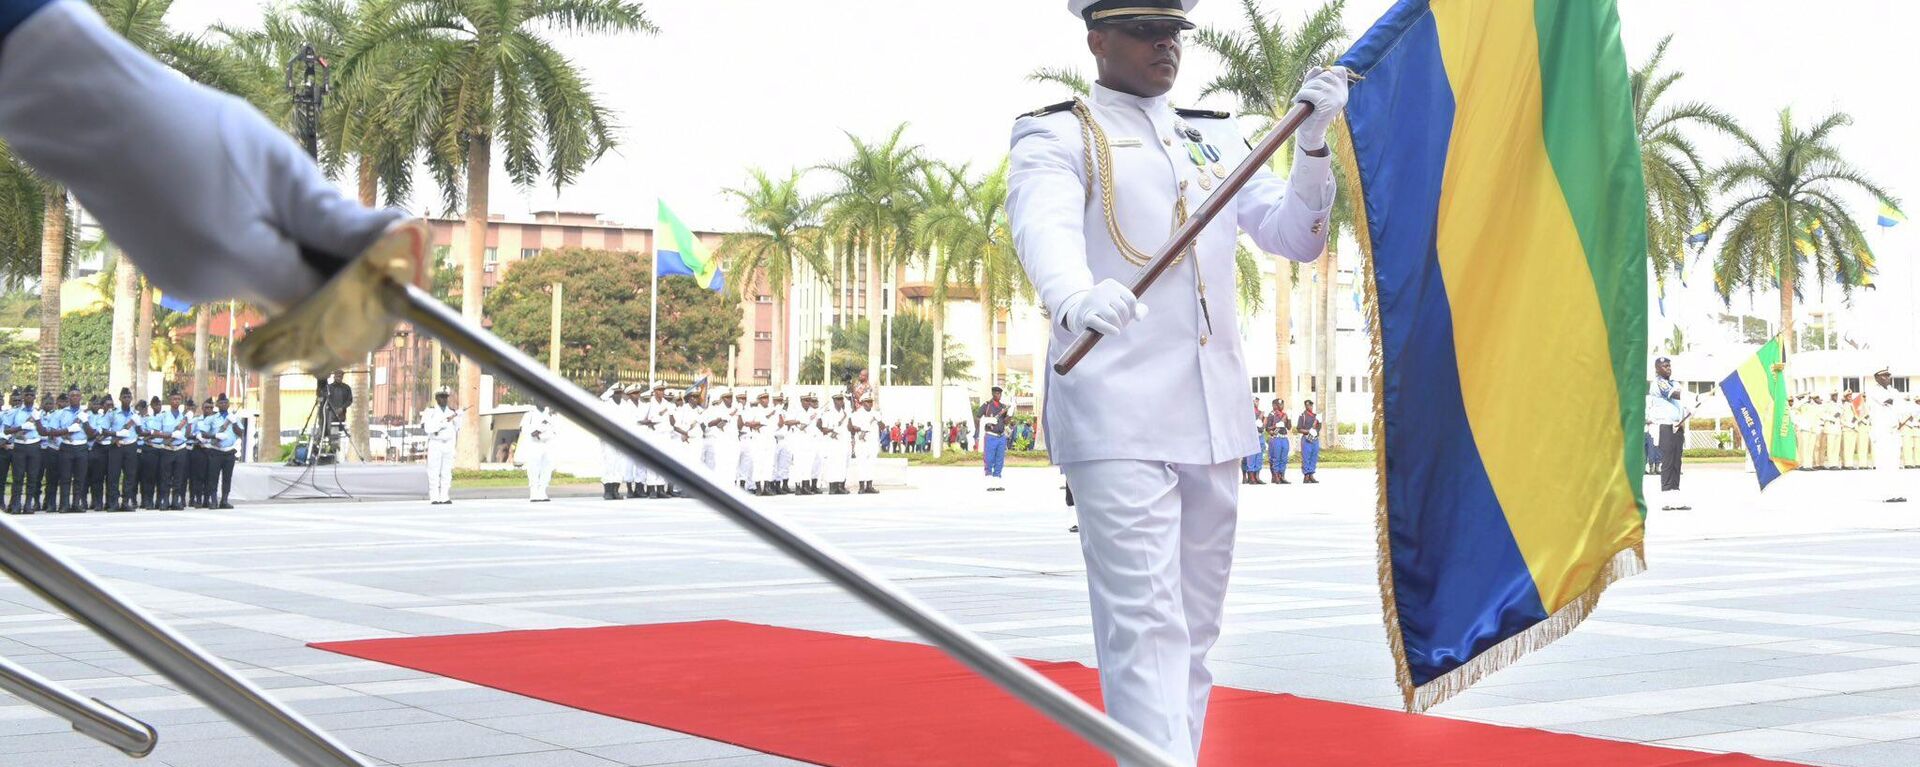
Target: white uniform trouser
{"points": [[1158, 543], [805, 456], [866, 454], [614, 467], [782, 457], [439, 470], [1886, 462], [539, 463], [833, 459], [726, 456], [765, 448]]}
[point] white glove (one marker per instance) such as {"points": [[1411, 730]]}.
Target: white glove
{"points": [[1326, 90], [210, 199], [1106, 308]]}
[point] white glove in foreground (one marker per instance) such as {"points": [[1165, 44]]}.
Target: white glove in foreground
{"points": [[1106, 308], [210, 199], [1326, 90]]}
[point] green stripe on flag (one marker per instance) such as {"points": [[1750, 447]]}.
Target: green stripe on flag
{"points": [[1591, 138]]}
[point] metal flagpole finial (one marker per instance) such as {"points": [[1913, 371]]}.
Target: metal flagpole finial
{"points": [[349, 316]]}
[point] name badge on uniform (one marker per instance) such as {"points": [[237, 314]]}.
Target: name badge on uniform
{"points": [[1126, 142]]}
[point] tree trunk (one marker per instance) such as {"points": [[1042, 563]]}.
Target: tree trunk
{"points": [[126, 305], [361, 411], [1329, 340], [1786, 315], [939, 378], [479, 164], [53, 271], [202, 333], [776, 377], [874, 301], [143, 344], [1283, 330], [749, 301]]}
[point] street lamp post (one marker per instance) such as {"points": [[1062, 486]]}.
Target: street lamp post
{"points": [[309, 80]]}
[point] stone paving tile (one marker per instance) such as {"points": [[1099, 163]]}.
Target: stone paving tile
{"points": [[1759, 628]]}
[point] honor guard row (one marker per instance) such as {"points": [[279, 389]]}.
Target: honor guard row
{"points": [[766, 445], [93, 454]]}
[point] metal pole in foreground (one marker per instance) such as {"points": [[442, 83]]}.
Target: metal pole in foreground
{"points": [[168, 653], [90, 717], [418, 307]]}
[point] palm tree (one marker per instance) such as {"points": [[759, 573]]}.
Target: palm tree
{"points": [[946, 227], [873, 209], [781, 232], [144, 24], [1262, 66], [1676, 187], [459, 74], [22, 201], [1785, 216]]}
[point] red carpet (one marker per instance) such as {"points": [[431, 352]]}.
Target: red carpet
{"points": [[854, 702]]}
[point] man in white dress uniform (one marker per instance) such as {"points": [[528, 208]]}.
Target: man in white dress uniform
{"points": [[834, 445], [442, 425], [540, 427], [1095, 186]]}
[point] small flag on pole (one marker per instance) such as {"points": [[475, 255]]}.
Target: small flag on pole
{"points": [[1757, 393], [1699, 234], [1891, 216], [174, 304], [677, 251]]}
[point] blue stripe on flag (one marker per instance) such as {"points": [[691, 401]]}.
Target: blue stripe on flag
{"points": [[1752, 426]]}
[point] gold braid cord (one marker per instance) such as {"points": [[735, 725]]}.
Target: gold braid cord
{"points": [[1092, 136]]}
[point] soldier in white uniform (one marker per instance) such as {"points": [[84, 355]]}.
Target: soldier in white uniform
{"points": [[1886, 411], [762, 423], [537, 454], [866, 448], [835, 447], [614, 467], [652, 416], [723, 436], [803, 441], [782, 444], [1094, 187], [442, 424]]}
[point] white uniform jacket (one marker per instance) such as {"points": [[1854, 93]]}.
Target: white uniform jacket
{"points": [[1061, 230]]}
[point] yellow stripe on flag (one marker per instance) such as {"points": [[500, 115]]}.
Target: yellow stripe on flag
{"points": [[1526, 318]]}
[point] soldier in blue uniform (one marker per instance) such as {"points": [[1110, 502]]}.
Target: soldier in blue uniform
{"points": [[1308, 427], [6, 443], [98, 417], [1279, 429], [123, 453], [23, 430], [152, 444], [993, 424], [222, 436], [198, 461]]}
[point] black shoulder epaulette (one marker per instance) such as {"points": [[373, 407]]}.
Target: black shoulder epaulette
{"points": [[1203, 114], [1049, 109]]}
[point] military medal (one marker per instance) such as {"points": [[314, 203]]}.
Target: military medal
{"points": [[1206, 183], [1219, 171]]}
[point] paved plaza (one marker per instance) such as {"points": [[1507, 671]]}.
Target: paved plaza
{"points": [[1786, 625]]}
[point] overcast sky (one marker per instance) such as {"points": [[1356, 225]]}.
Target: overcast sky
{"points": [[729, 84]]}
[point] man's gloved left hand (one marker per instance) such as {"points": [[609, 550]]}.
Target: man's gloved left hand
{"points": [[1326, 90], [210, 199]]}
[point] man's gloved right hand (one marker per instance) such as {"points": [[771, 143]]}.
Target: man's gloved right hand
{"points": [[1106, 308], [208, 197]]}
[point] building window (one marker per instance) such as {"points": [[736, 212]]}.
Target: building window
{"points": [[529, 252], [763, 298], [763, 373], [1263, 384], [493, 254], [763, 335]]}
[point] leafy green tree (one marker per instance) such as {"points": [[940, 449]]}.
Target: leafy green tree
{"points": [[872, 209], [1784, 223], [1676, 177], [970, 241], [603, 328], [86, 339], [780, 231], [912, 352], [467, 73]]}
